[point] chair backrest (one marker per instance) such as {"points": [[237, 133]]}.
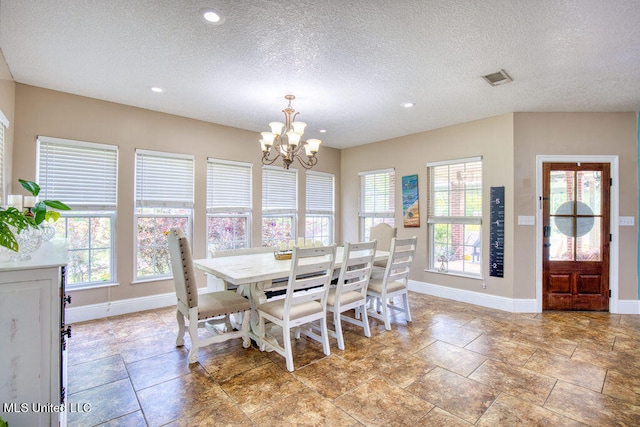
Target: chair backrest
{"points": [[182, 267], [400, 260], [383, 233], [356, 267], [310, 275]]}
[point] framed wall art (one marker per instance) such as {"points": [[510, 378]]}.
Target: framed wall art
{"points": [[410, 209]]}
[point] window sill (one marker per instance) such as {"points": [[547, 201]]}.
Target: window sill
{"points": [[456, 274], [70, 288], [152, 279]]}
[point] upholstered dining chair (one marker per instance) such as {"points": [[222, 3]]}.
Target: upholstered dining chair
{"points": [[304, 303], [200, 308], [383, 233], [350, 292], [394, 282]]}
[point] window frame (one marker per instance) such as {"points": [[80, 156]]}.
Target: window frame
{"points": [[473, 220], [152, 208], [223, 208], [104, 206], [316, 208], [4, 124], [372, 217], [281, 209]]}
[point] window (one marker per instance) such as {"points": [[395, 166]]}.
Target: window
{"points": [[83, 175], [4, 123], [320, 210], [377, 200], [279, 205], [455, 216], [228, 205], [164, 199]]}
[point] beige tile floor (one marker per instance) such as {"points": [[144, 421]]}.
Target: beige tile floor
{"points": [[456, 364]]}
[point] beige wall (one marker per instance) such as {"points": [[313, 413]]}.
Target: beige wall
{"points": [[490, 138], [509, 145], [44, 112], [7, 106], [575, 134]]}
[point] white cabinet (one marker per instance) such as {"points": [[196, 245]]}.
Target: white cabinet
{"points": [[32, 342]]}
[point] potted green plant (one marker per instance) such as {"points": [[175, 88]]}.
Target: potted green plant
{"points": [[13, 221]]}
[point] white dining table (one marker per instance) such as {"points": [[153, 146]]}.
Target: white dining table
{"points": [[257, 273]]}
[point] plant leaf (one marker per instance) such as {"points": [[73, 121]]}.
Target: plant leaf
{"points": [[56, 205], [30, 186], [7, 239], [39, 211], [52, 215]]}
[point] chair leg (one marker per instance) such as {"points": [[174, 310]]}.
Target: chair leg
{"points": [[325, 336], [337, 324], [365, 321], [180, 337], [288, 354], [405, 297], [385, 313], [193, 334]]}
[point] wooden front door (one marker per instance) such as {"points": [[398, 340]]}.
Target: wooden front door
{"points": [[576, 236]]}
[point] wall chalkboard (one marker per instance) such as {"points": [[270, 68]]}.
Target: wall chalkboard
{"points": [[496, 233]]}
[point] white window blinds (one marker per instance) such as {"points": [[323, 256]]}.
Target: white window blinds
{"points": [[228, 186], [320, 193], [83, 175], [377, 193], [279, 190], [164, 180], [1, 162], [455, 189]]}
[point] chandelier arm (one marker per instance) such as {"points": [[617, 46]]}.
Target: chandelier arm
{"points": [[313, 160], [266, 160]]}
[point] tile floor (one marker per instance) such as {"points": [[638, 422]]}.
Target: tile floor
{"points": [[456, 364]]}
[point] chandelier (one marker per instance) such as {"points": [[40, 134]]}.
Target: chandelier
{"points": [[285, 140]]}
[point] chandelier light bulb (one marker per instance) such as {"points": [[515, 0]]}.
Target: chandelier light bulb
{"points": [[298, 127], [313, 145], [268, 138], [276, 127], [294, 138]]}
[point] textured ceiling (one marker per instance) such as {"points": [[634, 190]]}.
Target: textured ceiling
{"points": [[349, 63]]}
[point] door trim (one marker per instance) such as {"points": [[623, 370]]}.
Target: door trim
{"points": [[613, 226]]}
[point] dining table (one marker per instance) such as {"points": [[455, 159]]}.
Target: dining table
{"points": [[257, 274]]}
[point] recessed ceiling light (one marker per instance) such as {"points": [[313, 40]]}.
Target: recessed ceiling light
{"points": [[157, 89], [212, 16], [408, 104], [322, 131]]}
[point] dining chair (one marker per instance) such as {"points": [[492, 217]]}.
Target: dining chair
{"points": [[383, 233], [394, 282], [304, 302], [350, 293], [207, 306]]}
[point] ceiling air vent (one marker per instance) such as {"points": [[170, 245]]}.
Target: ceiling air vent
{"points": [[499, 78]]}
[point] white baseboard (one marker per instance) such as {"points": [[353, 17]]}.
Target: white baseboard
{"points": [[502, 303], [628, 307], [477, 298], [132, 305], [116, 308]]}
